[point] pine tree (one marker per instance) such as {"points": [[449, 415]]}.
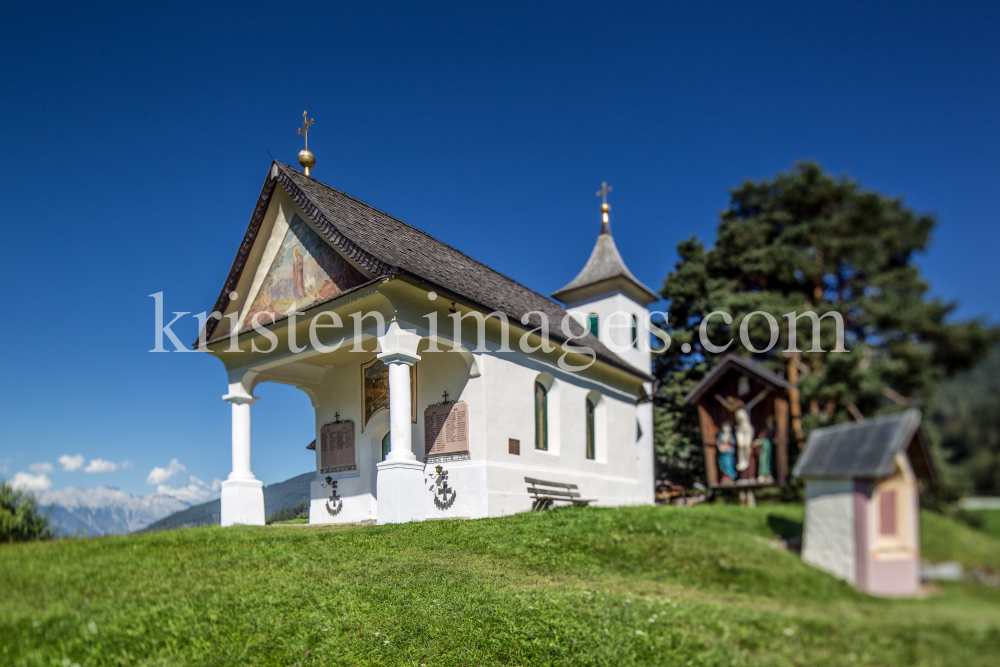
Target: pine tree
{"points": [[805, 241]]}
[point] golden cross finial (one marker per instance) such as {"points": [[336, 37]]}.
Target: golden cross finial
{"points": [[304, 130], [603, 192]]}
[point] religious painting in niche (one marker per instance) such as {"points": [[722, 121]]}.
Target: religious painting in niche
{"points": [[305, 271], [375, 389], [446, 428]]}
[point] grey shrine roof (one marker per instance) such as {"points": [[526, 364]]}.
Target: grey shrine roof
{"points": [[865, 449]]}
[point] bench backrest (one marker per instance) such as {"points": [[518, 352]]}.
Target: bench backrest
{"points": [[537, 488]]}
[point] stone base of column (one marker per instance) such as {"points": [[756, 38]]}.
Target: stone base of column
{"points": [[400, 491], [243, 502]]}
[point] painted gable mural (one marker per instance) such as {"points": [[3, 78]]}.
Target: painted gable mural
{"points": [[305, 271]]}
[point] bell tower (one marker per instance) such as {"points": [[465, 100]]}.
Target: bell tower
{"points": [[608, 299]]}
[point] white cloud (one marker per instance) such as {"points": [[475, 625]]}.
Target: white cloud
{"points": [[29, 482], [70, 463], [41, 467], [159, 475], [127, 465], [100, 465], [196, 490]]}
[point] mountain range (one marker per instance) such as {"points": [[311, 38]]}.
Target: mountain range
{"points": [[278, 496], [104, 510], [108, 511]]}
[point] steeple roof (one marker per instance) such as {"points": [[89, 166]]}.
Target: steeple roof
{"points": [[605, 272]]}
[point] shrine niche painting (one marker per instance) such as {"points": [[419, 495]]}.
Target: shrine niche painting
{"points": [[375, 389], [305, 271]]}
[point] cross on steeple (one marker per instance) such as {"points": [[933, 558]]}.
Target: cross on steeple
{"points": [[336, 417], [445, 395], [603, 192], [304, 130]]}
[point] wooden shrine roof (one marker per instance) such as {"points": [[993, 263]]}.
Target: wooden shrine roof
{"points": [[744, 366]]}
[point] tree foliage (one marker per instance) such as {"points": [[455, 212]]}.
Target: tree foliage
{"points": [[20, 518], [967, 415], [806, 241]]}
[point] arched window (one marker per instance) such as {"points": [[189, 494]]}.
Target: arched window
{"points": [[541, 417], [591, 431], [635, 331], [386, 446], [592, 323]]}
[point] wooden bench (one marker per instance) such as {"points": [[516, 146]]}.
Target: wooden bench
{"points": [[544, 494]]}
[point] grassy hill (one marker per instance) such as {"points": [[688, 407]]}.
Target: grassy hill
{"points": [[278, 496], [650, 585]]}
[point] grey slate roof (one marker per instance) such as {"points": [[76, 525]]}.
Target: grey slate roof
{"points": [[742, 365], [605, 264], [387, 246], [864, 449]]}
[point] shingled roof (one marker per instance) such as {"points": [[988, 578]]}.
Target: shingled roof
{"points": [[865, 449], [386, 246], [741, 365], [606, 266]]}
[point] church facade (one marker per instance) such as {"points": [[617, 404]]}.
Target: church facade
{"points": [[439, 385]]}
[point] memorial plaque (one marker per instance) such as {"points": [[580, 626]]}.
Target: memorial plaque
{"points": [[446, 428], [514, 446], [336, 443]]}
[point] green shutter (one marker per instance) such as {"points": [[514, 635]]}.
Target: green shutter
{"points": [[591, 431], [541, 417], [386, 445], [592, 323]]}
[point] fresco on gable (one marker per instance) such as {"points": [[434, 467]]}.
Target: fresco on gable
{"points": [[305, 271]]}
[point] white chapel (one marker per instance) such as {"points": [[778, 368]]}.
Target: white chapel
{"points": [[436, 393]]}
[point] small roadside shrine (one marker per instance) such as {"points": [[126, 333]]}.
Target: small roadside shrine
{"points": [[862, 519], [743, 415]]}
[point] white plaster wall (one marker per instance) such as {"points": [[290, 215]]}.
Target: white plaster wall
{"points": [[612, 479], [828, 534], [618, 337]]}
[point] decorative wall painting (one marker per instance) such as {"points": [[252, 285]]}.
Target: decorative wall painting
{"points": [[305, 271]]}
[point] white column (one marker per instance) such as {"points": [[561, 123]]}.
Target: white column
{"points": [[242, 493], [399, 486], [400, 408]]}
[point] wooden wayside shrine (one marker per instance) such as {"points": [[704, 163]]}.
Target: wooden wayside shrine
{"points": [[743, 415]]}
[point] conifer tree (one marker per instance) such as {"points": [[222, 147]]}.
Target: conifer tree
{"points": [[806, 241]]}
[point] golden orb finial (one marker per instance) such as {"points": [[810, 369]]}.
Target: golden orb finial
{"points": [[306, 158]]}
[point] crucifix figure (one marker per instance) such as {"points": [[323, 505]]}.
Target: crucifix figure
{"points": [[744, 430], [304, 130]]}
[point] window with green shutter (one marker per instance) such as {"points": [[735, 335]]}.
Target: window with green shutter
{"points": [[541, 417], [591, 431]]}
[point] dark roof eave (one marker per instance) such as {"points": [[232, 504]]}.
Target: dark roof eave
{"points": [[650, 295], [733, 360]]}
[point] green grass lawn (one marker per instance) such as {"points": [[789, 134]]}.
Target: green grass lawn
{"points": [[650, 585]]}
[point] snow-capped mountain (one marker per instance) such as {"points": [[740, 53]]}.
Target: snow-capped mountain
{"points": [[104, 510]]}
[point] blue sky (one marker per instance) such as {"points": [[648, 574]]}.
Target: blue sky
{"points": [[135, 141]]}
